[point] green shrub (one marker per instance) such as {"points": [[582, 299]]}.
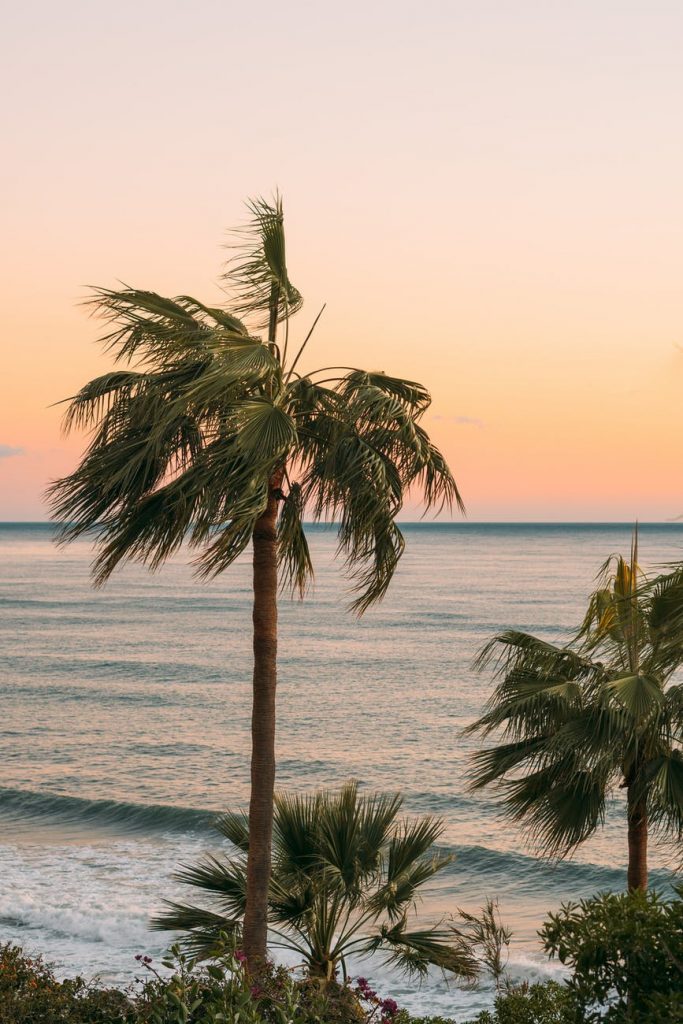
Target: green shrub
{"points": [[224, 991], [30, 994], [188, 994], [405, 1018], [547, 1003], [625, 952]]}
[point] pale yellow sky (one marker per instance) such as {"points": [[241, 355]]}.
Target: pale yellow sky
{"points": [[487, 195]]}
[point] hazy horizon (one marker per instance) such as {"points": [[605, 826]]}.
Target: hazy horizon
{"points": [[442, 522]]}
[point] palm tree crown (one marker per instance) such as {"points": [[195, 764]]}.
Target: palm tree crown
{"points": [[186, 445], [347, 872], [600, 714]]}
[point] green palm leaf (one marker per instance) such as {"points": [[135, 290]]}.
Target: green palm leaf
{"points": [[265, 432], [234, 826], [258, 273], [415, 951], [665, 805], [296, 567], [640, 695]]}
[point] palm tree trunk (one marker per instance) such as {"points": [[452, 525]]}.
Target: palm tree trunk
{"points": [[637, 841], [264, 540]]}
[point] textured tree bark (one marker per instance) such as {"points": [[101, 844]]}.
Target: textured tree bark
{"points": [[264, 542], [637, 842]]}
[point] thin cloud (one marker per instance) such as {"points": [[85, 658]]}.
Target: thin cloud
{"points": [[468, 421], [7, 451]]}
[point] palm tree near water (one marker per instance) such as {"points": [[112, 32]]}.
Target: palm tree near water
{"points": [[210, 433], [599, 715], [347, 872]]}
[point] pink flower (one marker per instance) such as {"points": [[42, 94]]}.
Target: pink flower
{"points": [[364, 988], [389, 1008]]}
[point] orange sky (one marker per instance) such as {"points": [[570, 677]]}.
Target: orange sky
{"points": [[487, 196]]}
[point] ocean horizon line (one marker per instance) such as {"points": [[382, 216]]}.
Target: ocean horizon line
{"points": [[433, 523]]}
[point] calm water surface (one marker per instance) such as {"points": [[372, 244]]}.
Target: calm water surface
{"points": [[125, 721]]}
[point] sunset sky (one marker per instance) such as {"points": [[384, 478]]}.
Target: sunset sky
{"points": [[488, 196]]}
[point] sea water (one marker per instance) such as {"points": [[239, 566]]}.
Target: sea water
{"points": [[125, 725]]}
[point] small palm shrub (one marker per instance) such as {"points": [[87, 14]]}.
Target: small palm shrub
{"points": [[347, 872]]}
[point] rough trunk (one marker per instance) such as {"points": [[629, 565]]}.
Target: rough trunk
{"points": [[262, 731], [637, 841]]}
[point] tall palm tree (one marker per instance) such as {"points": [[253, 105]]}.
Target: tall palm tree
{"points": [[210, 433], [579, 722], [347, 872]]}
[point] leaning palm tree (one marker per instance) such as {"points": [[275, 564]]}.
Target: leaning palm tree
{"points": [[603, 713], [347, 872], [210, 433]]}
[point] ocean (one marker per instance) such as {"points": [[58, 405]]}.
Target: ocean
{"points": [[125, 725]]}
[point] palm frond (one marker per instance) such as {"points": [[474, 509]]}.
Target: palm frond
{"points": [[265, 432], [185, 917], [495, 764], [403, 889], [258, 271], [234, 826], [205, 931], [94, 401], [149, 326], [665, 793], [560, 804], [415, 951], [296, 567], [411, 395], [513, 648], [225, 879], [296, 827], [233, 539], [640, 695], [410, 842]]}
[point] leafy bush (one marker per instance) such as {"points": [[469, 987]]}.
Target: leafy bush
{"points": [[224, 991], [190, 994], [30, 994], [547, 1003], [405, 1018], [625, 952]]}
